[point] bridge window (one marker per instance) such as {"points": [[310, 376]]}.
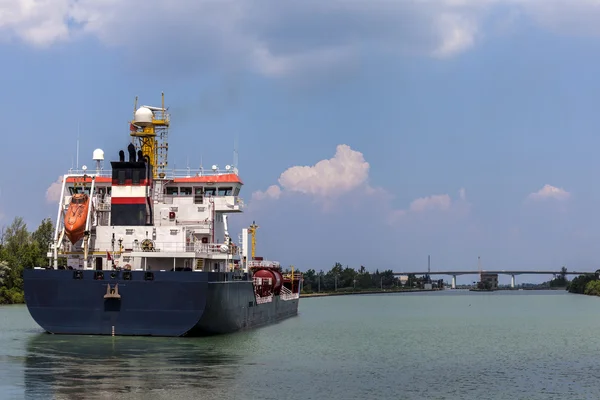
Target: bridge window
{"points": [[198, 195], [210, 191], [186, 191], [225, 191], [236, 191], [172, 191], [79, 189]]}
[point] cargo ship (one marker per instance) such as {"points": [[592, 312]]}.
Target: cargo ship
{"points": [[142, 250]]}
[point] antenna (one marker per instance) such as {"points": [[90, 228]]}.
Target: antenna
{"points": [[235, 151], [77, 144]]}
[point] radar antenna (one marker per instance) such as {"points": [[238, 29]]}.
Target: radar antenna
{"points": [[149, 132]]}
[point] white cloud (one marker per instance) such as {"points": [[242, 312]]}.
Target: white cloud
{"points": [[329, 178], [272, 192], [347, 171], [277, 38], [438, 202], [435, 202], [38, 22], [549, 192], [54, 190]]}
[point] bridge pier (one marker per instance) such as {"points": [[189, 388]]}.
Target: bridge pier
{"points": [[512, 281], [453, 281]]}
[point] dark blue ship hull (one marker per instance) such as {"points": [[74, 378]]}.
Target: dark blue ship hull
{"points": [[170, 303]]}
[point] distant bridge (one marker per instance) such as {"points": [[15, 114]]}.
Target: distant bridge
{"points": [[512, 273]]}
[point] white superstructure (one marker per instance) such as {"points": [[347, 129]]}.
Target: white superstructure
{"points": [[181, 214]]}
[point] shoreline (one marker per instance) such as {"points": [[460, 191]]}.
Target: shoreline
{"points": [[346, 293]]}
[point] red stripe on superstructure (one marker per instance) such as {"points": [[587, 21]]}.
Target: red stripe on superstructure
{"points": [[128, 200], [129, 182], [226, 178], [99, 179]]}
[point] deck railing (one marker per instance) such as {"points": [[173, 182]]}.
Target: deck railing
{"points": [[169, 173], [286, 294], [263, 264], [263, 300], [169, 247]]}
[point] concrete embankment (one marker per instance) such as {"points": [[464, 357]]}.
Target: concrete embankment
{"points": [[304, 295]]}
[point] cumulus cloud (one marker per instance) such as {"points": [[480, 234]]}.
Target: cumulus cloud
{"points": [[435, 202], [272, 192], [54, 190], [549, 192], [277, 38], [329, 178], [348, 171]]}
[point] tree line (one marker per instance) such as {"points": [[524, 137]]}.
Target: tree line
{"points": [[20, 249], [586, 284], [340, 278]]}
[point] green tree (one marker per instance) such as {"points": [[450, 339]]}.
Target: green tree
{"points": [[4, 271], [563, 273], [592, 288], [578, 284], [20, 249]]}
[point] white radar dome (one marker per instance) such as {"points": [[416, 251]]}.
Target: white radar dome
{"points": [[224, 248], [143, 116], [98, 155]]}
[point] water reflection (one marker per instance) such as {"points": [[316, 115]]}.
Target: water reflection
{"points": [[76, 367]]}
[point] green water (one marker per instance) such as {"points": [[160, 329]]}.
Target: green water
{"points": [[446, 345]]}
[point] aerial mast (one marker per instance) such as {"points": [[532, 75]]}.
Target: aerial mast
{"points": [[149, 132]]}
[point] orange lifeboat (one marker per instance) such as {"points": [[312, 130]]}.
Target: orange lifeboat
{"points": [[76, 216]]}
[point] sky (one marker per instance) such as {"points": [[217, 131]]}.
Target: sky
{"points": [[369, 133]]}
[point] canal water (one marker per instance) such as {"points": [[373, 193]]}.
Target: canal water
{"points": [[441, 345]]}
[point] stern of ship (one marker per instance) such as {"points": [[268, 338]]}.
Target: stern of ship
{"points": [[140, 303]]}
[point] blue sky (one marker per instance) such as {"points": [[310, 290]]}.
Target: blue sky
{"points": [[392, 130]]}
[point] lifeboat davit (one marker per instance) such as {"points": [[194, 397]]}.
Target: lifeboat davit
{"points": [[76, 216]]}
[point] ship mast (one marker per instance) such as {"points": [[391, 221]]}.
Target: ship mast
{"points": [[150, 126], [252, 231]]}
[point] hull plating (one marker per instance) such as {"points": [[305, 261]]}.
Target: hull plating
{"points": [[172, 304]]}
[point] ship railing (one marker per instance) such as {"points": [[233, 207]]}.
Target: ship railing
{"points": [[263, 264], [262, 281], [263, 300], [202, 223], [296, 275], [169, 173], [221, 200], [103, 206], [166, 247], [214, 248], [90, 172], [286, 294]]}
